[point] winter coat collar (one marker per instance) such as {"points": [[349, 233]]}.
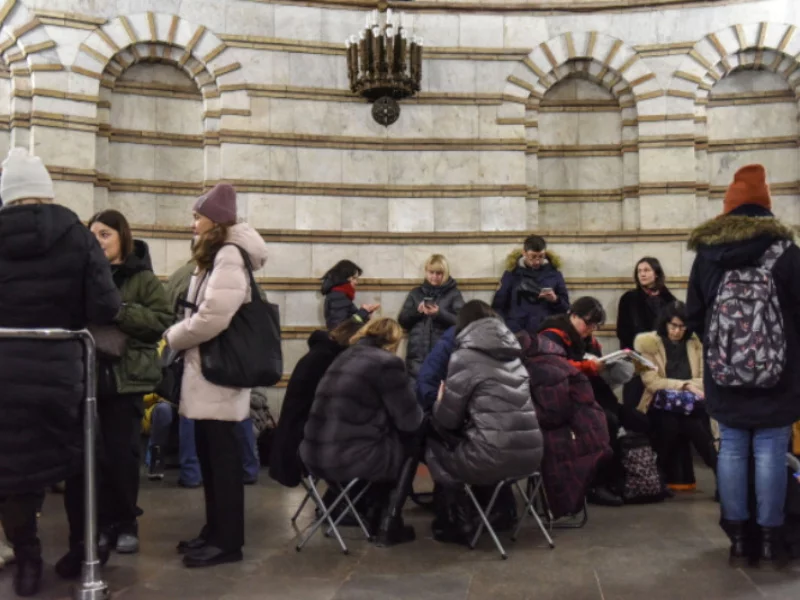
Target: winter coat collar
{"points": [[514, 260], [437, 291], [737, 228], [491, 337]]}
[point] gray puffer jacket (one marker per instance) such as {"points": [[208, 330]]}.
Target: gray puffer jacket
{"points": [[487, 402]]}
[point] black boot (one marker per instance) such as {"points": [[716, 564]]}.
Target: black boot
{"points": [[70, 565], [739, 553], [773, 552], [392, 528], [156, 470], [453, 523], [28, 578]]}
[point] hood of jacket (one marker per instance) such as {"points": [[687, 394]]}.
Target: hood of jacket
{"points": [[320, 337], [29, 231], [491, 337], [538, 345], [247, 238], [138, 260], [734, 240], [328, 283], [514, 260], [437, 291]]}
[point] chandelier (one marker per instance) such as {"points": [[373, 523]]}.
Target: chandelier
{"points": [[384, 63]]}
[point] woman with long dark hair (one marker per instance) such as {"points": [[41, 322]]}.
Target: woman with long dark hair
{"points": [[339, 288], [673, 394], [128, 367], [219, 287]]}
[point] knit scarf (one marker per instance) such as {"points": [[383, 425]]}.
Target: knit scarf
{"points": [[347, 289]]}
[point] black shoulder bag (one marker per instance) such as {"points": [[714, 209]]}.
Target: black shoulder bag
{"points": [[248, 353]]}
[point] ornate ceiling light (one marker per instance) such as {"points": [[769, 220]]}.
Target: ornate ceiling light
{"points": [[384, 63]]}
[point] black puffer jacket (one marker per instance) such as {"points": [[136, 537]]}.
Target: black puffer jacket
{"points": [[731, 242], [285, 466], [363, 405], [638, 313], [53, 274], [424, 331], [487, 402], [339, 305]]}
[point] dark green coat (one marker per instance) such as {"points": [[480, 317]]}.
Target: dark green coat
{"points": [[144, 316]]}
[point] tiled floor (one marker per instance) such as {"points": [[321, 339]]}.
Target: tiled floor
{"points": [[668, 551]]}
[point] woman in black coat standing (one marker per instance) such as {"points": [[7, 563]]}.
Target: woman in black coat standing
{"points": [[285, 465], [429, 310]]}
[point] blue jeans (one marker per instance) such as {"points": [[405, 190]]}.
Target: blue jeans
{"points": [[769, 447], [190, 465]]}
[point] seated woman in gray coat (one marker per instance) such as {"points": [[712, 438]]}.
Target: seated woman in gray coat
{"points": [[364, 417], [484, 416]]}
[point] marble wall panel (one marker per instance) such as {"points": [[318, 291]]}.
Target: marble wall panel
{"points": [[273, 114], [453, 121], [411, 214], [601, 216], [210, 13], [670, 254], [501, 168], [177, 254], [787, 208], [305, 308], [436, 29], [580, 173], [481, 31], [668, 212], [324, 256], [139, 209], [522, 31], [630, 214], [356, 120], [283, 165], [5, 142], [318, 212], [502, 214], [298, 22], [244, 161], [249, 18], [365, 214], [532, 214], [131, 161], [315, 118], [450, 76], [749, 81], [293, 351], [288, 260], [608, 260], [63, 147], [319, 165], [314, 70], [579, 128], [559, 216], [174, 115], [174, 210], [380, 260], [781, 164], [78, 197], [666, 164], [457, 214], [270, 211], [173, 163], [753, 121], [365, 166]]}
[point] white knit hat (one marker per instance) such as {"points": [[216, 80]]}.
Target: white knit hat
{"points": [[24, 176]]}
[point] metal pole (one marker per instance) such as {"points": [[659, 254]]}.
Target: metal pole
{"points": [[92, 586]]}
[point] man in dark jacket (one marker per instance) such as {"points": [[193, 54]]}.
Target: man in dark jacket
{"points": [[532, 288], [752, 420], [433, 370], [53, 274]]}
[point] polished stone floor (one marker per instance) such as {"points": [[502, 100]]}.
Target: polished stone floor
{"points": [[668, 551]]}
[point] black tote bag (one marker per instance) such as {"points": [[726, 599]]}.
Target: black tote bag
{"points": [[248, 353]]}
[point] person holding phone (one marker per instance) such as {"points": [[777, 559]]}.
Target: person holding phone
{"points": [[532, 288], [430, 309]]}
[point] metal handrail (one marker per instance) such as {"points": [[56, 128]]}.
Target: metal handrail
{"points": [[92, 586]]}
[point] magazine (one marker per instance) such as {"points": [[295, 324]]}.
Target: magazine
{"points": [[639, 362]]}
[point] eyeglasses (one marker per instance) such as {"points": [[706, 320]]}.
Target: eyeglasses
{"points": [[589, 324], [676, 327]]}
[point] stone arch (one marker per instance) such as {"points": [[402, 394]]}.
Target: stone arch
{"points": [[606, 60], [117, 44], [766, 46]]}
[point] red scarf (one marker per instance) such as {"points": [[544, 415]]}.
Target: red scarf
{"points": [[347, 289], [651, 291]]}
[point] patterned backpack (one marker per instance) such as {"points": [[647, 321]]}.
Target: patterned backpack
{"points": [[746, 342]]}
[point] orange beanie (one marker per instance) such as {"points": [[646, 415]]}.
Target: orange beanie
{"points": [[749, 187]]}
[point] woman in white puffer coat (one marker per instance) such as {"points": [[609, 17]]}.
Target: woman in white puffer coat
{"points": [[219, 287]]}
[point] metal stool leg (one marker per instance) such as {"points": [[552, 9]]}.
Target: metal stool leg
{"points": [[352, 508], [529, 509], [325, 517], [303, 503], [484, 520]]}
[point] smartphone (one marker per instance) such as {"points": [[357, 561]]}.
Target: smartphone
{"points": [[428, 302], [546, 290]]}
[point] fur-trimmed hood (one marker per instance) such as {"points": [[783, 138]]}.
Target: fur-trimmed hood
{"points": [[736, 228], [514, 257]]}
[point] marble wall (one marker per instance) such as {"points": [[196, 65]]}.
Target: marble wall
{"points": [[612, 133]]}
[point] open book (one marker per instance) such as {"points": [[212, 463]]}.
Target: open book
{"points": [[639, 362]]}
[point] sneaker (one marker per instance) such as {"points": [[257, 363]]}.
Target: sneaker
{"points": [[6, 554], [155, 472]]}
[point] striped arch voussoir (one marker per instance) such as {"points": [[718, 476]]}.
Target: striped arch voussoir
{"points": [[600, 58], [773, 47]]}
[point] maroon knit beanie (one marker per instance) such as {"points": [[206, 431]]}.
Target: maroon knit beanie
{"points": [[219, 204]]}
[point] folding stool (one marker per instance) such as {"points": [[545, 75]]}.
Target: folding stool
{"points": [[542, 507], [527, 509], [310, 483]]}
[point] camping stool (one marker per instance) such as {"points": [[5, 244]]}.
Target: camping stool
{"points": [[534, 491], [528, 499], [310, 483], [573, 521]]}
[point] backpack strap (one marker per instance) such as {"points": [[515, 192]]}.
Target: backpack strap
{"points": [[773, 253]]}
